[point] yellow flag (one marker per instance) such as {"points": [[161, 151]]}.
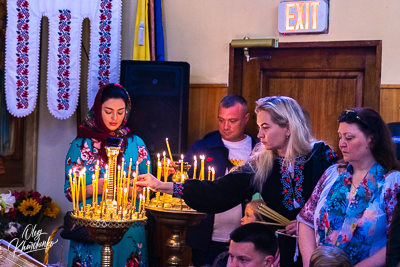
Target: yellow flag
{"points": [[141, 45]]}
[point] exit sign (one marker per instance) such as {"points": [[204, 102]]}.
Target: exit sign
{"points": [[296, 17]]}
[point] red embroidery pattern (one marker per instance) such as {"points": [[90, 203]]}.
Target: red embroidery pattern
{"points": [[22, 54], [64, 51], [105, 42]]}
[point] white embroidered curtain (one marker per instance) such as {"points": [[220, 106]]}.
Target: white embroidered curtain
{"points": [[65, 30]]}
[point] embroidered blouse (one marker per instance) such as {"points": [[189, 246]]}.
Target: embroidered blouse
{"points": [[358, 225]]}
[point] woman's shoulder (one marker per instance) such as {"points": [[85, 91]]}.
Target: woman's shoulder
{"points": [[392, 177], [135, 139], [322, 150]]}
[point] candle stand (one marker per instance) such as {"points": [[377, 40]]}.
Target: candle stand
{"points": [[177, 221], [111, 219]]}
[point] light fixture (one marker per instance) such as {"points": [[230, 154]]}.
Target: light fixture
{"points": [[246, 43]]}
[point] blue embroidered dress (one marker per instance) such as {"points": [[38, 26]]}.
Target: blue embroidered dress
{"points": [[132, 250], [356, 224]]}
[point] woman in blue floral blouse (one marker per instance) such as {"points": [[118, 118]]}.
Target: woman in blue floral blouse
{"points": [[352, 204], [107, 118]]}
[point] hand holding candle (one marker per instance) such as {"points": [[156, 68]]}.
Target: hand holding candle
{"points": [[169, 149]]}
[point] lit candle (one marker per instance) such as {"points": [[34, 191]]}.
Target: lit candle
{"points": [[144, 201], [97, 171], [158, 158], [209, 174], [123, 166], [169, 149], [130, 169], [78, 191], [119, 177], [165, 162], [166, 171], [140, 203], [182, 178], [148, 166], [134, 192], [202, 157], [84, 187], [148, 194], [159, 171], [182, 156], [195, 167], [213, 173], [94, 198]]}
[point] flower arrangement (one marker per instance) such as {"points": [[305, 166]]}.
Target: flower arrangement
{"points": [[19, 209]]}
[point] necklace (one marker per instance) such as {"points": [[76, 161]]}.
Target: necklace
{"points": [[353, 189]]}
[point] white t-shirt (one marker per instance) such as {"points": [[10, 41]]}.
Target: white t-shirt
{"points": [[227, 221]]}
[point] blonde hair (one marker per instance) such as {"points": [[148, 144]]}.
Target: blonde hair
{"points": [[253, 206], [325, 256], [284, 111]]}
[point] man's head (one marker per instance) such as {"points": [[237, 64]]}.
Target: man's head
{"points": [[232, 117], [252, 245]]}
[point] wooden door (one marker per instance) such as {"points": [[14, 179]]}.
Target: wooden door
{"points": [[323, 77]]}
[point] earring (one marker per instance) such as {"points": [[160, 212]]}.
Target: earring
{"points": [[287, 136]]}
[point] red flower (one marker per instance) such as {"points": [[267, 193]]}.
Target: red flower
{"points": [[101, 84], [12, 214], [102, 39], [109, 6], [60, 106], [20, 15], [61, 62], [25, 27], [209, 159], [107, 28], [69, 161], [66, 95], [46, 199], [67, 51], [299, 188], [287, 179], [107, 51], [66, 73], [25, 49], [283, 170], [179, 192], [106, 73], [25, 94], [301, 167], [285, 191], [297, 178], [19, 195], [61, 39], [67, 28], [61, 17], [20, 38], [38, 199], [19, 105], [25, 72], [289, 201], [101, 61], [20, 60], [103, 17], [19, 83], [60, 84], [25, 4]]}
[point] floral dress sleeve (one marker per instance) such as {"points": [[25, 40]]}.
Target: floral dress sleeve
{"points": [[306, 214], [391, 188], [82, 153]]}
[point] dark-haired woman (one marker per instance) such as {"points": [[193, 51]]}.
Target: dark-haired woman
{"points": [[352, 205], [106, 118]]}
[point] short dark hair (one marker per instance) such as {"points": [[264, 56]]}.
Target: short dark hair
{"points": [[371, 123], [113, 91], [259, 234], [231, 100]]}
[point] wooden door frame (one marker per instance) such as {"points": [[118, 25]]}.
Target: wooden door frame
{"points": [[372, 75]]}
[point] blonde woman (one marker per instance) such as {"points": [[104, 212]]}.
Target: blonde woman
{"points": [[284, 168]]}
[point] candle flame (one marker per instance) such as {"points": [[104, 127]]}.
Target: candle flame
{"points": [[148, 162], [159, 164]]}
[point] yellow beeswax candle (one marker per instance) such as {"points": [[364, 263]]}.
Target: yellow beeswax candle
{"points": [[78, 192], [130, 169], [158, 158], [166, 170], [134, 193], [202, 157], [148, 195], [182, 156], [140, 203], [213, 173], [94, 199], [122, 166], [72, 189], [144, 201], [125, 196], [209, 174], [169, 149], [148, 166], [119, 177], [97, 171], [84, 187], [194, 166], [159, 171], [137, 169]]}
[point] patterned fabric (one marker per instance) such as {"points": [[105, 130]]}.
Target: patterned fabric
{"points": [[63, 75], [358, 225], [178, 190], [293, 187], [83, 152]]}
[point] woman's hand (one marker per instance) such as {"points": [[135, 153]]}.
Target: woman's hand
{"points": [[148, 180], [291, 229], [170, 168]]}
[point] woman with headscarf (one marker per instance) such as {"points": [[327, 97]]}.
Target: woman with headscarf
{"points": [[107, 118]]}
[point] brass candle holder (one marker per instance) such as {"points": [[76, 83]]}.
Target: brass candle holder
{"points": [[109, 221], [177, 176]]}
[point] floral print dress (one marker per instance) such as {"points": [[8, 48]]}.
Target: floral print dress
{"points": [[132, 250], [356, 224]]}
